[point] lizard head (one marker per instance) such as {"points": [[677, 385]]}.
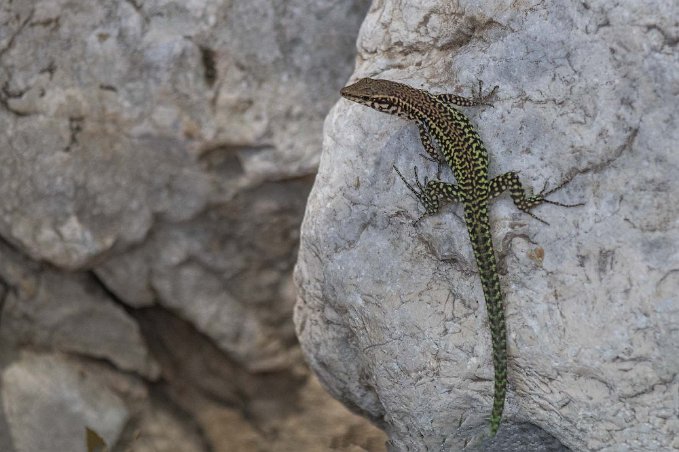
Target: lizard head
{"points": [[381, 95]]}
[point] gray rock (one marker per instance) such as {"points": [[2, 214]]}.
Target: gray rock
{"points": [[227, 272], [160, 429], [165, 151], [48, 402], [153, 111], [392, 316], [68, 312], [170, 148]]}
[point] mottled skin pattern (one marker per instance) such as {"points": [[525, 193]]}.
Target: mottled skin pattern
{"points": [[462, 149]]}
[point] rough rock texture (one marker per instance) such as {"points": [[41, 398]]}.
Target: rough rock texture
{"points": [[392, 316], [61, 399], [70, 313], [232, 282], [239, 410], [159, 428], [155, 157], [152, 111]]}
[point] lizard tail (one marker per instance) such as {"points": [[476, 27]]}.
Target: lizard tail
{"points": [[490, 281], [498, 332], [499, 338], [498, 401]]}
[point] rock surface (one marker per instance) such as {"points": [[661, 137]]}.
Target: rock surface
{"points": [[70, 313], [227, 271], [48, 402], [392, 316], [156, 156], [239, 410], [154, 111], [160, 429]]}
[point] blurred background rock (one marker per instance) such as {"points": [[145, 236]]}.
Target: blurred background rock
{"points": [[155, 160]]}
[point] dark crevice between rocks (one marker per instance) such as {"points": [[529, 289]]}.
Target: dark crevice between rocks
{"points": [[159, 390], [4, 291], [223, 159], [8, 354], [20, 254], [132, 437], [196, 373], [195, 368], [3, 297]]}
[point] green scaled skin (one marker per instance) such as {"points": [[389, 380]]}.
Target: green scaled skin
{"points": [[460, 147]]}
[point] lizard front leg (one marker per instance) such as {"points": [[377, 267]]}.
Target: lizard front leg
{"points": [[431, 147], [432, 193], [428, 143], [474, 101]]}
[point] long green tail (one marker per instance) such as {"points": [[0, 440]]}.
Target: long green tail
{"points": [[482, 244]]}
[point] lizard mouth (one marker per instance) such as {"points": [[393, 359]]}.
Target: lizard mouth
{"points": [[347, 94], [362, 91]]}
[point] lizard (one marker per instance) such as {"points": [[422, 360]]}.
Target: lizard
{"points": [[448, 135]]}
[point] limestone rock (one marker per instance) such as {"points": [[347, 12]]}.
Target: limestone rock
{"points": [[177, 159], [48, 402], [314, 422], [240, 410], [392, 316], [155, 110], [158, 154], [160, 429], [228, 272], [68, 312]]}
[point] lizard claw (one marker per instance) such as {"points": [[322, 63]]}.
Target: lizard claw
{"points": [[480, 99], [416, 192], [419, 192], [536, 217], [543, 194]]}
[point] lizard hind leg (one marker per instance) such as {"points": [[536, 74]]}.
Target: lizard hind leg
{"points": [[524, 202], [555, 189]]}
